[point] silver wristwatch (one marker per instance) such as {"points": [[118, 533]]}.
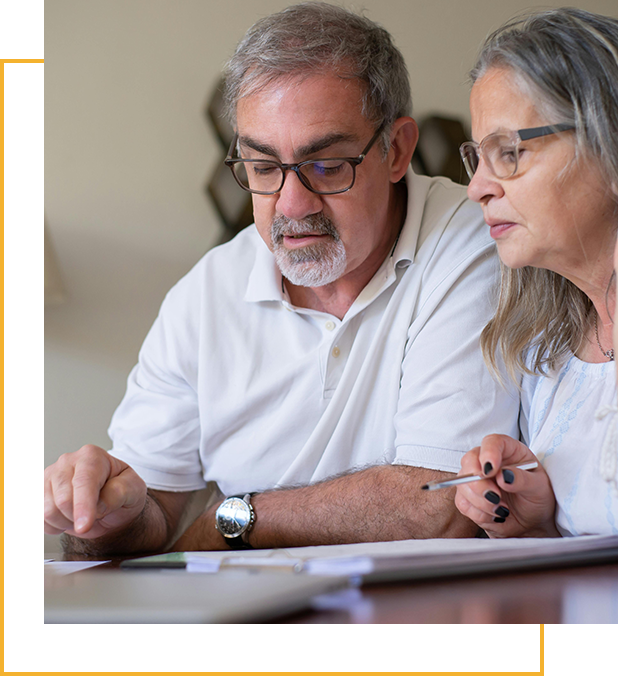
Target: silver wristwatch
{"points": [[234, 519]]}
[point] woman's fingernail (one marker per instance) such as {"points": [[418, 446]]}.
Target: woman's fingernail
{"points": [[101, 508], [487, 467], [499, 519], [508, 476], [494, 498], [502, 511]]}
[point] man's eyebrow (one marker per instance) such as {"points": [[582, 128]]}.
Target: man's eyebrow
{"points": [[309, 149], [326, 142]]}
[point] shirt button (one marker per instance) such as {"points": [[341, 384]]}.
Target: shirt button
{"points": [[336, 352], [330, 325]]}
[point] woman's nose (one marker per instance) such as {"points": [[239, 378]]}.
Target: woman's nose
{"points": [[484, 184]]}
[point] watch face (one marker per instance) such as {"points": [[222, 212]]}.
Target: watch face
{"points": [[233, 517]]}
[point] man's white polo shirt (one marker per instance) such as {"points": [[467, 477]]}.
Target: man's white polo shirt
{"points": [[237, 386]]}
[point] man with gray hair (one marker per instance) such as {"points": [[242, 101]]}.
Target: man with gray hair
{"points": [[323, 365]]}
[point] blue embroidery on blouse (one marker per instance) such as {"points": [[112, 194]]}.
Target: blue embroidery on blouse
{"points": [[567, 505], [566, 416], [549, 399]]}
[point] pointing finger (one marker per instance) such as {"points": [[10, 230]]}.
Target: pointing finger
{"points": [[59, 495], [90, 476]]}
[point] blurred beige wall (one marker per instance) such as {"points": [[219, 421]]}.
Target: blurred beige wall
{"points": [[128, 151]]}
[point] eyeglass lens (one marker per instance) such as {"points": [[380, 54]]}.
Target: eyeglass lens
{"points": [[499, 152], [501, 155], [322, 176]]}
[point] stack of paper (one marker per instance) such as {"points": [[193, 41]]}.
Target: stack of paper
{"points": [[404, 559]]}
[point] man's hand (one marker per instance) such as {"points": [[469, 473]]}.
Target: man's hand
{"points": [[510, 502], [90, 493]]}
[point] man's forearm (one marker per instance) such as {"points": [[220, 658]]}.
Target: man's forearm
{"points": [[149, 532], [376, 504]]}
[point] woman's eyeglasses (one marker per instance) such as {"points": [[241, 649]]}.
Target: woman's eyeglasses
{"points": [[501, 151]]}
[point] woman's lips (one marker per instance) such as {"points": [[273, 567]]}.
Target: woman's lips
{"points": [[496, 230]]}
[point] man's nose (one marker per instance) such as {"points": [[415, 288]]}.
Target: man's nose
{"points": [[296, 201], [484, 185]]}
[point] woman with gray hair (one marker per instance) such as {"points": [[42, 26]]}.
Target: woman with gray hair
{"points": [[544, 167]]}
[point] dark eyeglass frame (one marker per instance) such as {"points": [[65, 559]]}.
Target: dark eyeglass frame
{"points": [[517, 136], [353, 161]]}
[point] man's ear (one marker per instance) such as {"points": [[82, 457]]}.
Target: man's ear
{"points": [[404, 136]]}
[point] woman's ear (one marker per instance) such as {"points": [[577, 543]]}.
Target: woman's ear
{"points": [[404, 136]]}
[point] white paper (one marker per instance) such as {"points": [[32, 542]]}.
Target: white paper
{"points": [[455, 547], [283, 562], [67, 567], [202, 565], [200, 562], [359, 565], [423, 555]]}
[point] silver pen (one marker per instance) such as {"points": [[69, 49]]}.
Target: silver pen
{"points": [[469, 478]]}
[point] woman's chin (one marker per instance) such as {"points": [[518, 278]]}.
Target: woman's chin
{"points": [[513, 259]]}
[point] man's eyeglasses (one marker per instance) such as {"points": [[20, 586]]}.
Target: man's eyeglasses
{"points": [[324, 177], [501, 151]]}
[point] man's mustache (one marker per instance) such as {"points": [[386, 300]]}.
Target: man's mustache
{"points": [[315, 224]]}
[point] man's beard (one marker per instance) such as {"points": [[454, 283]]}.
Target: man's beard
{"points": [[314, 265]]}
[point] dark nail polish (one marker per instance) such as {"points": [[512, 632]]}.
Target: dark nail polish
{"points": [[502, 511], [487, 468], [499, 519], [508, 476], [494, 498]]}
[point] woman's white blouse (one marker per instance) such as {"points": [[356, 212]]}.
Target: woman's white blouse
{"points": [[558, 423]]}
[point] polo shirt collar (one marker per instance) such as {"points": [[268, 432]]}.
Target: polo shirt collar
{"points": [[264, 283], [406, 246]]}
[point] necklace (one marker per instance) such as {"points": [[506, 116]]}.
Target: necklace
{"points": [[610, 353]]}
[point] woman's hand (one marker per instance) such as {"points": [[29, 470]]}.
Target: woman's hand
{"points": [[510, 502]]}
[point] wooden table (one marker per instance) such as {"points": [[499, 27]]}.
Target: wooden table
{"points": [[585, 594], [573, 595]]}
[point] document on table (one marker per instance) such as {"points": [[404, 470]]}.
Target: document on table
{"points": [[404, 559], [424, 559], [66, 567]]}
